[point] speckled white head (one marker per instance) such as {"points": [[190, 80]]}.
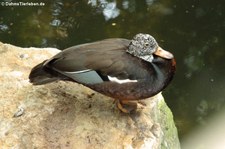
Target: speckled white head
{"points": [[143, 46]]}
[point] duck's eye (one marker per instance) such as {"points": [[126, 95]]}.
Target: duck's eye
{"points": [[146, 44]]}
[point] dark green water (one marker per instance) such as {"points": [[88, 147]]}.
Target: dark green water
{"points": [[193, 30]]}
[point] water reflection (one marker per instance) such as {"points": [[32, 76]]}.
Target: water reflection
{"points": [[4, 27], [192, 30], [109, 9], [56, 11]]}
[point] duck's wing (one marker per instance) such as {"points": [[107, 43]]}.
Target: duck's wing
{"points": [[98, 61]]}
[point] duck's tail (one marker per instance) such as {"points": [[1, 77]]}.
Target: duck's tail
{"points": [[41, 75]]}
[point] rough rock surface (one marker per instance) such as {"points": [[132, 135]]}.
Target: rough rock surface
{"points": [[68, 115]]}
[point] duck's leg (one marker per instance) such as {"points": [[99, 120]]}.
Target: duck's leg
{"points": [[127, 106]]}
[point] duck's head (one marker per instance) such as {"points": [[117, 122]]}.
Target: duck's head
{"points": [[144, 46]]}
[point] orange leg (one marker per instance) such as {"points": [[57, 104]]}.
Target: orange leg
{"points": [[127, 106]]}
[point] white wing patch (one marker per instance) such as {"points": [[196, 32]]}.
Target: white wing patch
{"points": [[115, 79]]}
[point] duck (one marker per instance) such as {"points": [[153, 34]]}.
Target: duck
{"points": [[125, 70]]}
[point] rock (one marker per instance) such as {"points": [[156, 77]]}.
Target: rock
{"points": [[69, 115]]}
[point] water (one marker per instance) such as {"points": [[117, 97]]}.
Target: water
{"points": [[194, 31]]}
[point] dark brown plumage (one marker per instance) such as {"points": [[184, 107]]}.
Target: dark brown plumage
{"points": [[96, 64]]}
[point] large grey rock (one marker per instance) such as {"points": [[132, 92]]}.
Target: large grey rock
{"points": [[69, 115]]}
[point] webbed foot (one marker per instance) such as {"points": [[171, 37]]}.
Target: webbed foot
{"points": [[129, 106]]}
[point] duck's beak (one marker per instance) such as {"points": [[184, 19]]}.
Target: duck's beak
{"points": [[163, 53]]}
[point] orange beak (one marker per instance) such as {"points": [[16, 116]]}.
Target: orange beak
{"points": [[163, 53]]}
